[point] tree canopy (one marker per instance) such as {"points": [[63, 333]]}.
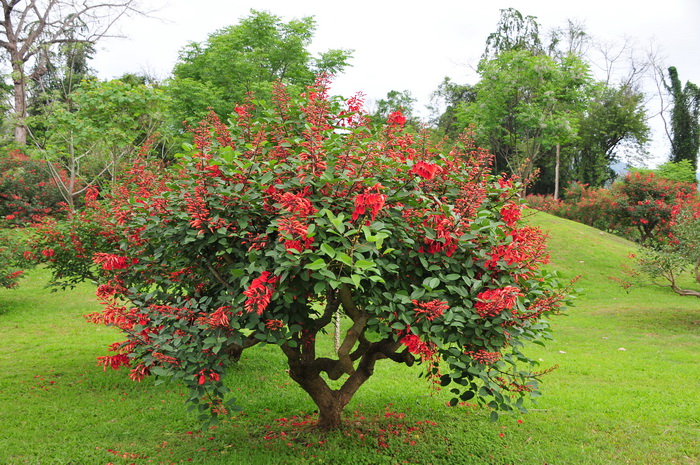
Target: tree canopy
{"points": [[248, 58]]}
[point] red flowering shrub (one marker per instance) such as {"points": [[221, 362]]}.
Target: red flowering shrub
{"points": [[641, 207], [648, 204], [13, 259], [27, 190], [268, 228]]}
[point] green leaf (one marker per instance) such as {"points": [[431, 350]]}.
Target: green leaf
{"points": [[328, 250], [364, 264], [345, 258], [316, 265]]}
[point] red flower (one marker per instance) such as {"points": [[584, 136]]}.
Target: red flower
{"points": [[510, 213], [110, 261], [219, 317], [260, 293], [114, 361], [369, 201], [492, 302], [274, 325], [431, 310], [396, 118], [415, 345], [425, 170]]}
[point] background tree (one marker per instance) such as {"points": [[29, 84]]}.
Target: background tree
{"points": [[99, 128], [611, 116], [445, 103], [29, 29], [684, 132], [394, 101], [246, 58], [525, 105], [613, 121], [513, 32]]}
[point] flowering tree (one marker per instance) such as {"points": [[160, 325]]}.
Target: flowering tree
{"points": [[267, 229]]}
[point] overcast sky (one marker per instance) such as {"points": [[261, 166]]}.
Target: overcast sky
{"points": [[409, 45]]}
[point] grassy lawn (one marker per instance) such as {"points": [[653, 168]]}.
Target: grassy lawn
{"points": [[627, 390]]}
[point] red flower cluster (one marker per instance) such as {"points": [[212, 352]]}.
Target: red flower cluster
{"points": [[416, 345], [202, 376], [274, 325], [484, 357], [526, 249], [371, 201], [425, 170], [510, 213], [396, 118], [114, 361], [444, 240], [430, 310], [260, 293], [220, 317], [291, 227], [492, 302], [110, 261]]}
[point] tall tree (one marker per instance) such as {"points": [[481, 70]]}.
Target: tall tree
{"points": [[614, 119], [29, 29], [444, 105], [514, 32], [246, 58], [526, 104], [685, 114]]}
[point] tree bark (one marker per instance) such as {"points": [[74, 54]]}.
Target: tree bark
{"points": [[20, 106], [556, 174]]}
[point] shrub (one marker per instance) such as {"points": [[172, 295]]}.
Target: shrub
{"points": [[647, 203], [268, 229], [13, 259], [27, 190]]}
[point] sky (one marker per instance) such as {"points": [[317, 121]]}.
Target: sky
{"points": [[412, 45]]}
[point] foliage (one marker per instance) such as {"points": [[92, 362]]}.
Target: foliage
{"points": [[445, 103], [295, 214], [13, 259], [27, 190], [30, 31], [681, 171], [641, 207], [685, 119], [525, 105], [97, 131], [649, 203], [247, 58], [614, 120], [669, 261], [514, 32]]}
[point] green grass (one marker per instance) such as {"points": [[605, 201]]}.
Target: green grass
{"points": [[602, 406]]}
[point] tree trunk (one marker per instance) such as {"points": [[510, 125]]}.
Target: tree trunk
{"points": [[330, 403], [329, 413], [20, 110], [556, 174]]}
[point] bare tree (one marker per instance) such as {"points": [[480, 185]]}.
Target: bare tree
{"points": [[29, 28]]}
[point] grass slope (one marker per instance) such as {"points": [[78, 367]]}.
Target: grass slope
{"points": [[604, 405]]}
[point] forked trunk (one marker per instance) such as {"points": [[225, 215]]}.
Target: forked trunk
{"points": [[330, 403], [329, 414]]}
